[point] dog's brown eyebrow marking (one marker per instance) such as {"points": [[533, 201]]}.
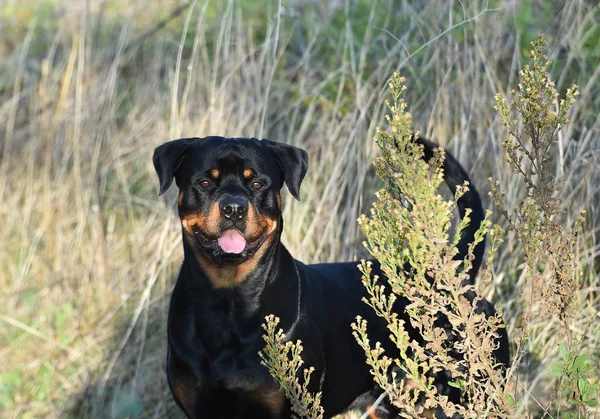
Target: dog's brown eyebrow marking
{"points": [[214, 174], [248, 173]]}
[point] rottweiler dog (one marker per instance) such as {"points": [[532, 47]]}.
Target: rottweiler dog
{"points": [[236, 271]]}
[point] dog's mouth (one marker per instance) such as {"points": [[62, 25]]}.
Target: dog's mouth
{"points": [[231, 247]]}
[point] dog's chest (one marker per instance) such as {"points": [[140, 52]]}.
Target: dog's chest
{"points": [[230, 339]]}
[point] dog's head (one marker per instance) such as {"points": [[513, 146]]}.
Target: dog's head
{"points": [[229, 197]]}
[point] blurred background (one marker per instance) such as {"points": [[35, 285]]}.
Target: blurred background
{"points": [[89, 252]]}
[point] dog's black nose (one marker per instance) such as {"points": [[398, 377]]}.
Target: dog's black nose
{"points": [[233, 208]]}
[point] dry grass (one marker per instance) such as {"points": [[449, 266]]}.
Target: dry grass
{"points": [[89, 253]]}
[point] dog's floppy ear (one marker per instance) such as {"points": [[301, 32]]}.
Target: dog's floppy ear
{"points": [[293, 162], [167, 158]]}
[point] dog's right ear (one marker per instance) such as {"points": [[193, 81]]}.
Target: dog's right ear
{"points": [[167, 159]]}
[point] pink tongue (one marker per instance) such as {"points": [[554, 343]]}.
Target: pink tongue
{"points": [[232, 241]]}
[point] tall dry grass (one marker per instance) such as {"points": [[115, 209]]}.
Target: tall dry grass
{"points": [[89, 253]]}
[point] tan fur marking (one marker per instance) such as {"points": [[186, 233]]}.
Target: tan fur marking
{"points": [[207, 224], [256, 225], [182, 394], [278, 201], [248, 173], [372, 414], [272, 398], [214, 174], [227, 276], [180, 198]]}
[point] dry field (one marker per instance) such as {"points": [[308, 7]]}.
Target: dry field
{"points": [[88, 89]]}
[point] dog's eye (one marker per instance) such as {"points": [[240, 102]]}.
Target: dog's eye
{"points": [[257, 185], [204, 184]]}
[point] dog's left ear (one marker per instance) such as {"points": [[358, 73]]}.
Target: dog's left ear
{"points": [[167, 159], [293, 162]]}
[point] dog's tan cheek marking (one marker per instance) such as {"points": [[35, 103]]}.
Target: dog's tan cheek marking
{"points": [[207, 224], [278, 201], [248, 173], [180, 198], [252, 231], [256, 225], [188, 222], [214, 174], [212, 221], [267, 224]]}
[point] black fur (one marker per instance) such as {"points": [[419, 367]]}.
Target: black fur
{"points": [[215, 334]]}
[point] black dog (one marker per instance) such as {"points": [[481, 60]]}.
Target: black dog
{"points": [[236, 271]]}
